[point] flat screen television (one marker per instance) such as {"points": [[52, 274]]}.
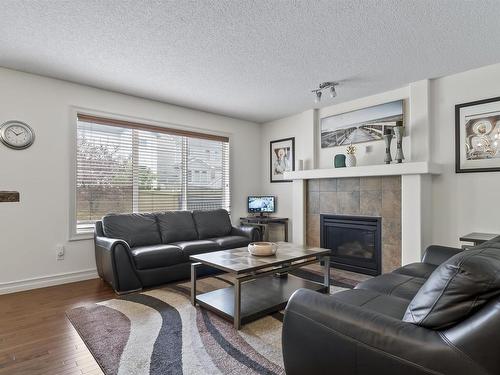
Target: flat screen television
{"points": [[261, 204]]}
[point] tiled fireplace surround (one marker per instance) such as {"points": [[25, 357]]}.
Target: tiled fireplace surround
{"points": [[371, 196]]}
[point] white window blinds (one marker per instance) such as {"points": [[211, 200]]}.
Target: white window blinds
{"points": [[128, 167]]}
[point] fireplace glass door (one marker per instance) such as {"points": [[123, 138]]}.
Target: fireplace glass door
{"points": [[354, 241]]}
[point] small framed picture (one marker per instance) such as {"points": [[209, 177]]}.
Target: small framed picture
{"points": [[282, 158], [477, 136]]}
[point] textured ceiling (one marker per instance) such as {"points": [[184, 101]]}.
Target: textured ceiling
{"points": [[252, 59]]}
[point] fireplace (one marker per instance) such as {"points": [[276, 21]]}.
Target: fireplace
{"points": [[355, 242]]}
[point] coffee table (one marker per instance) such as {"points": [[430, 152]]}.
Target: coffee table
{"points": [[262, 284]]}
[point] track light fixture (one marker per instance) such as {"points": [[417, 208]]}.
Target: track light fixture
{"points": [[317, 99], [333, 93], [324, 86]]}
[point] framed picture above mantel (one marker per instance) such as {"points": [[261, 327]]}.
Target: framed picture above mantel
{"points": [[477, 136], [362, 125], [281, 158]]}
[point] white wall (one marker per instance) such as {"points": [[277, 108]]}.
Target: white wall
{"points": [[30, 230], [366, 153], [305, 127], [300, 126], [416, 112], [460, 203], [463, 202]]}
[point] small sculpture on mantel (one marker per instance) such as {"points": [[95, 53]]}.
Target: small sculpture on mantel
{"points": [[387, 139], [399, 132], [350, 158]]}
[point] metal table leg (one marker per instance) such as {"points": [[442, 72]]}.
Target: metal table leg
{"points": [[237, 304], [326, 281], [194, 267]]}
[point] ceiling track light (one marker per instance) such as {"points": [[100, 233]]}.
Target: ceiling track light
{"points": [[333, 93], [317, 98], [325, 86]]}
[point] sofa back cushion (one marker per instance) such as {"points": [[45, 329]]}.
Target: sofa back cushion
{"points": [[135, 229], [214, 223], [457, 288], [176, 226]]}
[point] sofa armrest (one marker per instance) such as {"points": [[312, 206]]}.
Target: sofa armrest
{"points": [[110, 243], [323, 335], [252, 232], [436, 254], [115, 265]]}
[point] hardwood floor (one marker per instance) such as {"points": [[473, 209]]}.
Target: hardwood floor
{"points": [[37, 338]]}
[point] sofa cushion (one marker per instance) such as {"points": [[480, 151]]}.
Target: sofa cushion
{"points": [[135, 229], [231, 242], [394, 307], [215, 223], [155, 256], [176, 226], [422, 270], [457, 289], [394, 284], [197, 247]]}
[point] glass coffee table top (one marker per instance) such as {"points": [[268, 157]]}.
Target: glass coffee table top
{"points": [[241, 261]]}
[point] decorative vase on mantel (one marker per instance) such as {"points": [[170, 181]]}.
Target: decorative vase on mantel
{"points": [[350, 157], [399, 132], [387, 138], [339, 161]]}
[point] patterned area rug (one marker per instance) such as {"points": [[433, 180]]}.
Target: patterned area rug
{"points": [[160, 332]]}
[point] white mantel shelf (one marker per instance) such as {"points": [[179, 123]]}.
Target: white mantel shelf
{"points": [[415, 168]]}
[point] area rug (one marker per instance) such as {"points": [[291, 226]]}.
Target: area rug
{"points": [[160, 332]]}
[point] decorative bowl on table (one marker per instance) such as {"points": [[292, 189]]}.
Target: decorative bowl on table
{"points": [[262, 249]]}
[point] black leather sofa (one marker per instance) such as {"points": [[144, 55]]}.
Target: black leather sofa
{"points": [[133, 251], [441, 316]]}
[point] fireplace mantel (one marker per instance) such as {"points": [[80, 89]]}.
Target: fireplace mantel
{"points": [[416, 200], [367, 171]]}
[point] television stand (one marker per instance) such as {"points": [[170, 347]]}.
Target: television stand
{"points": [[261, 215], [263, 223]]}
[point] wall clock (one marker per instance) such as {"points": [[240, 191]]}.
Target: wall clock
{"points": [[16, 135]]}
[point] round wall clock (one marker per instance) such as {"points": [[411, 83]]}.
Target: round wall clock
{"points": [[16, 135]]}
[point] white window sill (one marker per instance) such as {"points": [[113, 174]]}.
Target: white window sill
{"points": [[81, 236]]}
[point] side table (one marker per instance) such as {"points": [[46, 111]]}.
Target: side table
{"points": [[263, 222], [477, 238]]}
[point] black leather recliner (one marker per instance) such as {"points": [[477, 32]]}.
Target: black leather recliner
{"points": [[133, 251], [441, 316]]}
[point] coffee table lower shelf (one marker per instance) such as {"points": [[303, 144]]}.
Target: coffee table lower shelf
{"points": [[259, 297]]}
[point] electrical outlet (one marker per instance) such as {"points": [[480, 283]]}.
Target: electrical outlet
{"points": [[60, 252]]}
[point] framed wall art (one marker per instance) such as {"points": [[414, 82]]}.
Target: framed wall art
{"points": [[362, 125], [477, 136], [282, 158]]}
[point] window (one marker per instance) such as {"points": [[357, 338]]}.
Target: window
{"points": [[128, 167]]}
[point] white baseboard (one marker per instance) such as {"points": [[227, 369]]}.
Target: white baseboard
{"points": [[44, 281]]}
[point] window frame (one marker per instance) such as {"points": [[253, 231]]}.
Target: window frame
{"points": [[75, 235]]}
